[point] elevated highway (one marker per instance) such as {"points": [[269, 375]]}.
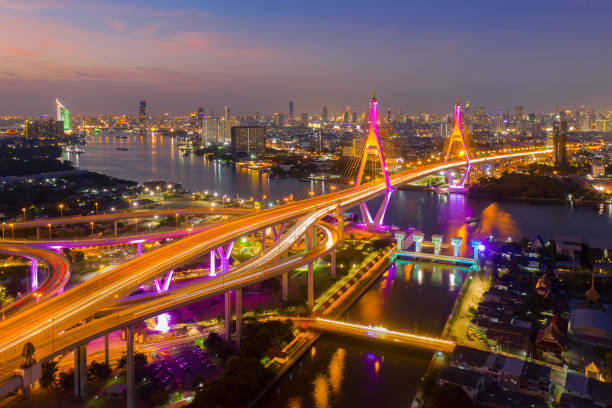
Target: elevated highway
{"points": [[42, 323], [54, 281]]}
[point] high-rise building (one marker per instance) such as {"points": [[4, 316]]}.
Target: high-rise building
{"points": [[347, 114], [388, 116], [212, 129], [291, 110], [46, 129], [248, 139], [142, 114], [304, 118], [227, 125], [62, 114], [324, 115], [279, 119], [200, 118], [560, 141], [355, 117], [317, 141], [519, 113]]}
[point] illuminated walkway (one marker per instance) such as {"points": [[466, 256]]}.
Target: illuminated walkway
{"points": [[379, 334]]}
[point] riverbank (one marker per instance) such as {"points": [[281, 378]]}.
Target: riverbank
{"points": [[369, 274]]}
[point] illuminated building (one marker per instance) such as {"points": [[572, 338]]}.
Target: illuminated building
{"points": [[279, 119], [200, 118], [248, 139], [304, 118], [560, 142], [62, 115], [142, 114], [324, 115], [212, 130], [48, 129], [290, 109]]}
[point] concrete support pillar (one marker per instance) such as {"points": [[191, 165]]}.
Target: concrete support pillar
{"points": [[417, 237], [285, 286], [437, 240], [139, 246], [263, 239], [228, 315], [129, 338], [310, 287], [313, 236], [33, 274], [456, 241], [213, 266], [399, 237], [238, 315], [38, 233], [340, 217], [115, 227], [106, 359], [478, 247], [333, 264], [310, 278], [80, 371]]}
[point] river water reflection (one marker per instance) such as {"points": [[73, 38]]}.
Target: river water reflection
{"points": [[341, 373]]}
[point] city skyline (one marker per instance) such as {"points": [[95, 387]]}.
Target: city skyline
{"points": [[419, 56]]}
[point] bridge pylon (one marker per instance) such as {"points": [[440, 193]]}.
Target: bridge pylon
{"points": [[451, 153], [373, 149]]}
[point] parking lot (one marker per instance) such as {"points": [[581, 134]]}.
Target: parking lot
{"points": [[177, 371]]}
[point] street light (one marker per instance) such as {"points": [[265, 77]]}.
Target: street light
{"points": [[49, 225], [176, 220], [92, 229], [12, 231], [61, 208], [96, 204], [24, 213]]}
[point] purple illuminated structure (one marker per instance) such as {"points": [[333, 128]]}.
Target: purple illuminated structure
{"points": [[33, 273], [373, 147], [224, 255], [457, 137], [163, 320]]}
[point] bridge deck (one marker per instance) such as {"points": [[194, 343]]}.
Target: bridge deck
{"points": [[378, 334]]}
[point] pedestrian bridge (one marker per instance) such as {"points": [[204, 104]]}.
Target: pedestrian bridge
{"points": [[379, 334]]}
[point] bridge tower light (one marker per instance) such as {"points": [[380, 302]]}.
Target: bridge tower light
{"points": [[456, 241], [399, 236], [478, 248], [417, 237], [437, 240], [457, 137]]}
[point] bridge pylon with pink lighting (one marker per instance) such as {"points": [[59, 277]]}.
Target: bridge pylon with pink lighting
{"points": [[373, 151], [456, 149]]}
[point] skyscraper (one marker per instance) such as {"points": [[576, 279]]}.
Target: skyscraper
{"points": [[291, 110], [142, 114], [227, 125], [62, 114], [248, 139], [324, 115], [200, 118], [560, 141]]}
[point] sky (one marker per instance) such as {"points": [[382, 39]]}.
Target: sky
{"points": [[419, 55]]}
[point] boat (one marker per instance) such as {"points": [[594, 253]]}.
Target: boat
{"points": [[472, 220], [122, 148], [120, 137]]}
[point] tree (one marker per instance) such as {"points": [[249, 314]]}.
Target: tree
{"points": [[448, 396], [97, 370], [66, 380], [270, 286], [47, 377]]}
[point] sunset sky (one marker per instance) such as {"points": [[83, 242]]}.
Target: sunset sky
{"points": [[103, 56]]}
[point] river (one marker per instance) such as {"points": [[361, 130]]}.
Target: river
{"points": [[336, 372]]}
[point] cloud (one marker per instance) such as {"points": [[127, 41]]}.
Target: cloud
{"points": [[8, 73], [79, 73]]}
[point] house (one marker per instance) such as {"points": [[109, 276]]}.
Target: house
{"points": [[477, 360], [553, 337], [589, 389], [470, 381], [535, 379], [511, 373], [591, 326]]}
